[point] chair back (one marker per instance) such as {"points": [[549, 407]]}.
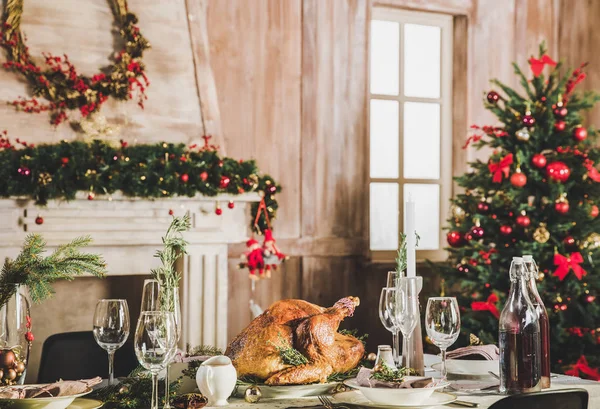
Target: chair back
{"points": [[555, 399], [76, 355]]}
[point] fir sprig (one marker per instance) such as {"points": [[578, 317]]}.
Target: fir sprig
{"points": [[37, 272], [389, 374]]}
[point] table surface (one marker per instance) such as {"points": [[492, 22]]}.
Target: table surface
{"points": [[561, 382]]}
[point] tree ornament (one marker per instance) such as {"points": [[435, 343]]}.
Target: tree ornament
{"points": [[458, 213], [539, 160], [231, 205], [558, 171], [523, 134], [64, 161], [483, 207], [594, 211], [493, 97], [561, 205], [218, 211], [171, 212], [372, 357], [203, 176], [518, 179], [39, 220], [24, 171], [91, 196], [252, 394], [541, 234], [560, 125], [477, 232], [506, 230], [455, 238], [523, 220], [592, 242], [224, 182], [184, 178], [570, 243], [44, 178], [560, 111], [463, 268], [579, 133], [528, 120]]}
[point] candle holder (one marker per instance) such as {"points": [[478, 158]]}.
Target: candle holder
{"points": [[412, 346]]}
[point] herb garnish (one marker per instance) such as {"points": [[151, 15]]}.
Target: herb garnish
{"points": [[388, 374]]}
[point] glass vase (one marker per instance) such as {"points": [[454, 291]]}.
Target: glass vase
{"points": [[15, 339], [170, 303]]}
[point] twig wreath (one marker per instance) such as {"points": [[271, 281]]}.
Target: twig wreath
{"points": [[60, 84]]}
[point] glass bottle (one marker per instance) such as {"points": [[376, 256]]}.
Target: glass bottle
{"points": [[538, 304], [15, 339], [520, 349]]}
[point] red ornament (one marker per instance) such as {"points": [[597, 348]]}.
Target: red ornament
{"points": [[64, 161], [24, 171], [493, 97], [477, 232], [91, 196], [558, 171], [506, 230], [29, 336], [483, 207], [455, 239], [272, 189], [579, 133], [224, 182], [518, 179], [171, 212], [463, 268], [220, 163], [528, 121], [184, 178], [560, 125], [218, 211], [204, 176], [39, 220], [560, 112], [562, 207], [231, 205], [594, 211], [538, 160], [523, 220], [570, 243]]}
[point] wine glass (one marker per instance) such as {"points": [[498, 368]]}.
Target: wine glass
{"points": [[442, 321], [150, 296], [170, 303], [386, 317], [111, 329], [392, 281], [155, 344], [406, 310]]}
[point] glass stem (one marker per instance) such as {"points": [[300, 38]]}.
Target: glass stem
{"points": [[444, 371], [154, 390], [396, 347], [167, 404], [111, 367]]}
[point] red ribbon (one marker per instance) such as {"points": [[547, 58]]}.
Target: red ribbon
{"points": [[500, 168], [576, 77], [582, 365], [565, 264], [489, 305], [537, 66]]}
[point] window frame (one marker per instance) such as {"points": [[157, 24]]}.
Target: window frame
{"points": [[445, 100]]}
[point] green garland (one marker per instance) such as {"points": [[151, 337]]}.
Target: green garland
{"points": [[60, 171]]}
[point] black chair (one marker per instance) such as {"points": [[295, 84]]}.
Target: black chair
{"points": [[76, 355], [558, 399]]}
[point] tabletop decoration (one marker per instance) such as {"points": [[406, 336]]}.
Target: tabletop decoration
{"points": [[551, 212], [60, 84]]}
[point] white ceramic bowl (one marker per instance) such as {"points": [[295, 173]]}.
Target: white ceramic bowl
{"points": [[396, 397], [470, 368], [287, 391], [59, 402]]}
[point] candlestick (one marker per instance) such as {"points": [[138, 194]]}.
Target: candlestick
{"points": [[411, 240]]}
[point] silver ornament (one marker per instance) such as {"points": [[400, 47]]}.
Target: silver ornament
{"points": [[523, 134], [252, 394]]}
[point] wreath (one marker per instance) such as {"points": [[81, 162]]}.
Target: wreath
{"points": [[58, 81]]}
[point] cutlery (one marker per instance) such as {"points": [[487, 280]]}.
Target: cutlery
{"points": [[325, 401], [494, 375], [465, 404]]}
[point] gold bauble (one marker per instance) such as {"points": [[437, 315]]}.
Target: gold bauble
{"points": [[541, 234], [592, 242], [372, 356], [474, 340], [458, 213], [20, 367], [252, 394], [11, 374], [523, 134]]}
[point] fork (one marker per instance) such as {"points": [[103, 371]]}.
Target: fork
{"points": [[325, 401]]}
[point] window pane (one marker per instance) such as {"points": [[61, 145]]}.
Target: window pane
{"points": [[422, 55], [421, 140], [385, 57], [384, 138], [427, 217], [384, 216]]}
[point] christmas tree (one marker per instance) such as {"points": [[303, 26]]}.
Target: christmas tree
{"points": [[537, 194]]}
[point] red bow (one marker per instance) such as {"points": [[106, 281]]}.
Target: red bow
{"points": [[489, 305], [576, 77], [537, 66], [500, 168], [564, 264], [582, 365]]}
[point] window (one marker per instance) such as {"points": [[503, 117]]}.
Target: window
{"points": [[410, 128]]}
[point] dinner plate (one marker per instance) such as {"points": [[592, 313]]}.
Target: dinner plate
{"points": [[82, 403], [462, 368], [287, 391], [357, 398], [58, 402]]}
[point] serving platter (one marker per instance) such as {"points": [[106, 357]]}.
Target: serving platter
{"points": [[287, 391], [357, 398]]}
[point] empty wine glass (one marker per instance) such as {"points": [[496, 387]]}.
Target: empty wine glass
{"points": [[406, 310], [387, 319], [111, 329], [155, 344], [442, 321], [150, 296]]}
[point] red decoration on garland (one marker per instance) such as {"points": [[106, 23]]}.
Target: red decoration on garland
{"points": [[539, 160], [493, 97], [558, 171], [184, 178], [224, 182], [218, 211], [204, 176], [537, 66], [560, 125], [518, 179], [91, 196], [594, 211], [488, 305], [582, 366], [523, 220], [24, 171], [455, 239], [500, 169], [505, 230], [580, 133], [231, 205], [39, 220], [64, 161], [565, 264]]}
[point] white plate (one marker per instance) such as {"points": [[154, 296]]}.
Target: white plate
{"points": [[81, 403], [287, 391], [463, 367], [59, 402], [391, 396], [357, 398]]}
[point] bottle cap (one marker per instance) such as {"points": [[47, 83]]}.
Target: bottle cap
{"points": [[528, 257], [518, 259]]}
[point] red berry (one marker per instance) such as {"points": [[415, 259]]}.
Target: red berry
{"points": [[184, 178]]}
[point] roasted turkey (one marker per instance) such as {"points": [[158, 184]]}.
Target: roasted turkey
{"points": [[310, 329]]}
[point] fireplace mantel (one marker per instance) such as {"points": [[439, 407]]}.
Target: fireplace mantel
{"points": [[127, 232]]}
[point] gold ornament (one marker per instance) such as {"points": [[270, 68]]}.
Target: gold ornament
{"points": [[474, 340], [95, 126], [592, 242], [541, 276], [523, 134], [44, 178], [458, 213], [541, 234], [252, 394], [372, 356]]}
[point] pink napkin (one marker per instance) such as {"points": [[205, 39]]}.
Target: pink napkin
{"points": [[61, 388], [364, 379], [487, 352]]}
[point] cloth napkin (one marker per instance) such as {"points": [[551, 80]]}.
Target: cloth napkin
{"points": [[487, 352], [61, 388], [364, 379]]}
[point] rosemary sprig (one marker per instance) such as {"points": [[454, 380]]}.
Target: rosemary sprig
{"points": [[401, 263], [289, 355], [389, 374]]}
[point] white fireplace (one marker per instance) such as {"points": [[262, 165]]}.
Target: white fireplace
{"points": [[127, 232]]}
